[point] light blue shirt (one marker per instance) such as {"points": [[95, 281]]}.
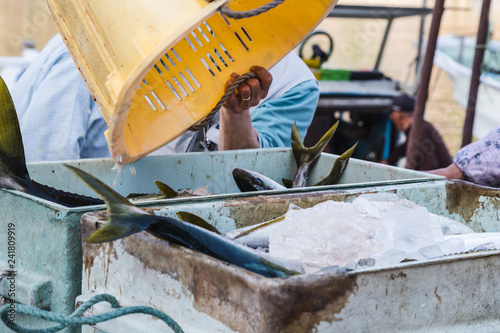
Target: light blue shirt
{"points": [[60, 121], [274, 119], [58, 117]]}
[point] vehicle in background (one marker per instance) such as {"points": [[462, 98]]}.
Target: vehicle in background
{"points": [[358, 98]]}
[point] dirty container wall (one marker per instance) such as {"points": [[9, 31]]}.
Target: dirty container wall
{"points": [[452, 294]]}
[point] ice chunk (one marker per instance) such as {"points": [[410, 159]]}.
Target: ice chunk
{"points": [[453, 246], [331, 233], [365, 262], [375, 230], [431, 251], [479, 241], [450, 227]]}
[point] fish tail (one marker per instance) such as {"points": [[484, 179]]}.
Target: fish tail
{"points": [[297, 144], [307, 157], [13, 171], [338, 168], [299, 150], [124, 218], [318, 148]]}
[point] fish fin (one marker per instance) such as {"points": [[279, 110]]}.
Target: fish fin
{"points": [[407, 260], [297, 144], [12, 159], [260, 226], [338, 168], [267, 223], [318, 148], [122, 215], [166, 190], [288, 183], [307, 157], [196, 220], [113, 230]]}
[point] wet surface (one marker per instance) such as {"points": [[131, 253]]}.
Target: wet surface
{"points": [[104, 251]]}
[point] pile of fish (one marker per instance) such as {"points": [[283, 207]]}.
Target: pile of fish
{"points": [[305, 158], [379, 232], [125, 219]]}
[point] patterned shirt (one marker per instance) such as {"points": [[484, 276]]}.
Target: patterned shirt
{"points": [[479, 161]]}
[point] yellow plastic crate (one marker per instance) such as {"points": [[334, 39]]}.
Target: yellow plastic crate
{"points": [[157, 67]]}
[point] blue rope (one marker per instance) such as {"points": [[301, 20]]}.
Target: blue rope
{"points": [[76, 319]]}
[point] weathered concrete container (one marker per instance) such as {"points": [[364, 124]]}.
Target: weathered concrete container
{"points": [[48, 254], [457, 293]]}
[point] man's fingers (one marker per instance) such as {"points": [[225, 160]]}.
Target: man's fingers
{"points": [[265, 79], [250, 92]]}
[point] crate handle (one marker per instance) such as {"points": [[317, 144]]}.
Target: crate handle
{"points": [[250, 13]]}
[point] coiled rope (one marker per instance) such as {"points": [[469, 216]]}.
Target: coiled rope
{"points": [[3, 274], [76, 319]]}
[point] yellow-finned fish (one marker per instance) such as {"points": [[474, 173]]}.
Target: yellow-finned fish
{"points": [[125, 219]]}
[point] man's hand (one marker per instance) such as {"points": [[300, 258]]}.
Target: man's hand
{"points": [[250, 92], [236, 130]]}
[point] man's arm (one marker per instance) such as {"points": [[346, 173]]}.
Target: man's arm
{"points": [[292, 98], [236, 129], [397, 153]]}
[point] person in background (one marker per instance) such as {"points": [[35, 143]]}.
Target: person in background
{"points": [[432, 152], [477, 162], [57, 120], [60, 120]]}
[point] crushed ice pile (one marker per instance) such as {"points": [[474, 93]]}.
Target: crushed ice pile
{"points": [[374, 230]]}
